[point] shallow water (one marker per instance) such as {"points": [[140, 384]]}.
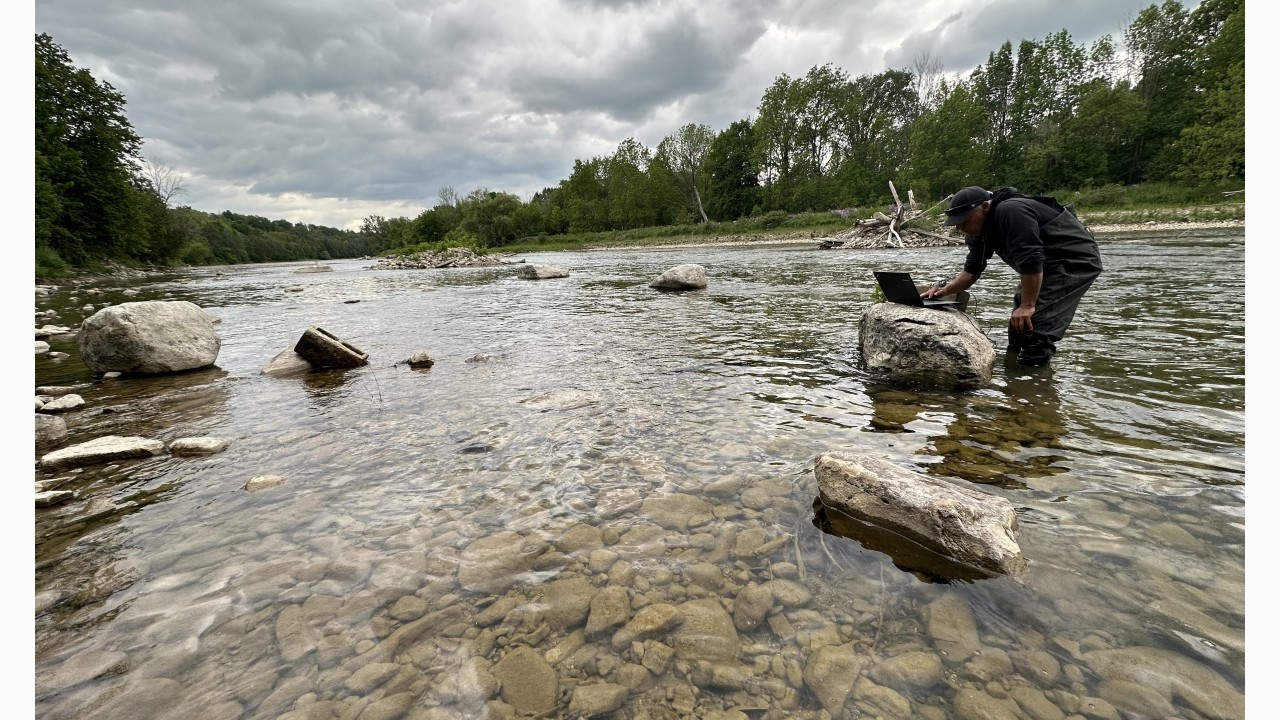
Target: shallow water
{"points": [[662, 443]]}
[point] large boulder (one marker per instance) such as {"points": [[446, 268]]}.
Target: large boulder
{"points": [[970, 529], [681, 277], [155, 336], [925, 346], [51, 431]]}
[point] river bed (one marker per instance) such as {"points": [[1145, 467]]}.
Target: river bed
{"points": [[600, 499]]}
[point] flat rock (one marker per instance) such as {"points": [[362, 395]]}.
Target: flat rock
{"points": [[966, 530], [1173, 675], [199, 445], [101, 450], [262, 482], [597, 699]]}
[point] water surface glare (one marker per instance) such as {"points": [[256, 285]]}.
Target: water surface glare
{"points": [[600, 500]]}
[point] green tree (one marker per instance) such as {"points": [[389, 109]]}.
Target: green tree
{"points": [[946, 145], [86, 150], [733, 175], [685, 152]]}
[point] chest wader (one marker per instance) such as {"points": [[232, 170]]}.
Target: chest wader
{"points": [[1072, 262]]}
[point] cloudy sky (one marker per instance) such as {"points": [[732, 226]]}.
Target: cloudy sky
{"points": [[327, 111]]}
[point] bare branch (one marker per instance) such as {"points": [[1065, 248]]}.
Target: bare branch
{"points": [[164, 180]]}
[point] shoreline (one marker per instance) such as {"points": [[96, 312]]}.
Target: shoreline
{"points": [[808, 237]]}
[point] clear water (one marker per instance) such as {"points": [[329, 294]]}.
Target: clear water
{"points": [[165, 589]]}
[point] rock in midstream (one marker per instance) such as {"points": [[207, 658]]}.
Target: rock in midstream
{"points": [[528, 683], [952, 627]]}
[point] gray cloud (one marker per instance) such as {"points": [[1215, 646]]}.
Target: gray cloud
{"points": [[327, 112]]}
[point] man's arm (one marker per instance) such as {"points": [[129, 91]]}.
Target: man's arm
{"points": [[1021, 318], [963, 281]]}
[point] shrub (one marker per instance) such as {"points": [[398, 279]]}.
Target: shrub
{"points": [[773, 219]]}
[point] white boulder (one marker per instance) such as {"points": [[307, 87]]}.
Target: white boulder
{"points": [[155, 336]]}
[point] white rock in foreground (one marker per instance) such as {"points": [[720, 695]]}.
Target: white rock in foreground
{"points": [[154, 336], [103, 449], [681, 277], [973, 528]]}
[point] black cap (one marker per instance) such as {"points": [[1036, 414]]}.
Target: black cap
{"points": [[963, 203]]}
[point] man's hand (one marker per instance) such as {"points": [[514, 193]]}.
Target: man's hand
{"points": [[935, 291], [1021, 318]]}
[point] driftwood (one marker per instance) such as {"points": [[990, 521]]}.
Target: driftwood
{"points": [[904, 225]]}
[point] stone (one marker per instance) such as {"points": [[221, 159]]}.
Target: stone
{"points": [[53, 497], [971, 704], [952, 627], [1038, 666], [314, 269], [1178, 620], [910, 671], [1035, 704], [597, 699], [672, 511], [830, 674], [528, 683], [688, 276], [80, 668], [541, 272], [199, 445], [706, 632], [567, 602], [878, 701], [104, 449], [63, 404], [420, 361], [492, 564], [149, 337], [581, 538], [651, 621], [51, 431], [610, 608], [263, 482], [1173, 676], [751, 606], [925, 346], [323, 349], [955, 531], [294, 636], [286, 363], [42, 347]]}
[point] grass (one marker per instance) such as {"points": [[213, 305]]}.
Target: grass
{"points": [[765, 227]]}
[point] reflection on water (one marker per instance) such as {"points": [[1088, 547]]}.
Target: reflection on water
{"points": [[600, 500]]}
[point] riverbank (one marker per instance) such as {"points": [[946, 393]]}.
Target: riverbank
{"points": [[814, 236]]}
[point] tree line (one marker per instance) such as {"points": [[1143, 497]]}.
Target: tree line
{"points": [[1163, 103]]}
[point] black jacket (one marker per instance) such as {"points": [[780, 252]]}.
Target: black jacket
{"points": [[1014, 230]]}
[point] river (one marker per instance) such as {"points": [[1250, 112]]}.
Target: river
{"points": [[489, 536]]}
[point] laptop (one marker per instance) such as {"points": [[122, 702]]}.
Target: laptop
{"points": [[898, 287]]}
